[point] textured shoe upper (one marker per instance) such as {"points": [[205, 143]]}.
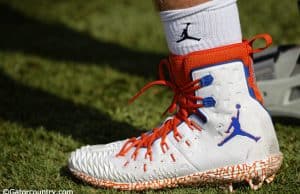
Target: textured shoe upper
{"points": [[219, 121]]}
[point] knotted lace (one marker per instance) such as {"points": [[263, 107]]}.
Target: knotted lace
{"points": [[184, 102]]}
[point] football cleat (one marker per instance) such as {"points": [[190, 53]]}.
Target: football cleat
{"points": [[219, 132]]}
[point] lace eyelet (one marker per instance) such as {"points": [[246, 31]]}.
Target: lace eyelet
{"points": [[208, 102], [206, 80]]}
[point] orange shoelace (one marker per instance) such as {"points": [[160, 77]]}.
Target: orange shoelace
{"points": [[184, 101]]}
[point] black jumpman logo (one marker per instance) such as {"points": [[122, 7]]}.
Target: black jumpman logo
{"points": [[184, 35], [235, 124]]}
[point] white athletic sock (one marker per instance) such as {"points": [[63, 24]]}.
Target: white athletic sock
{"points": [[208, 25]]}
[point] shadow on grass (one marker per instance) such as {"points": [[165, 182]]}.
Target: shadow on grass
{"points": [[65, 172], [21, 33], [33, 107], [286, 121]]}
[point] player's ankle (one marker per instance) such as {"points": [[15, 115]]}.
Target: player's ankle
{"points": [[202, 27]]}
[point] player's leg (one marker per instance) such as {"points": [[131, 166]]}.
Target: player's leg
{"points": [[212, 24], [163, 5]]}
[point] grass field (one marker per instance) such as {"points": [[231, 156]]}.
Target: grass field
{"points": [[67, 69]]}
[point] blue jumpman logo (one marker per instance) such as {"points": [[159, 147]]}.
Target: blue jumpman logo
{"points": [[235, 124]]}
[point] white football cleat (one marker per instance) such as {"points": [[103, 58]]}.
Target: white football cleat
{"points": [[220, 134]]}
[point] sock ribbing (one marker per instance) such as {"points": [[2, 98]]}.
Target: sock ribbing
{"points": [[212, 24]]}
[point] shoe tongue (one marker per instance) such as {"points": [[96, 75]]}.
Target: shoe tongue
{"points": [[179, 71]]}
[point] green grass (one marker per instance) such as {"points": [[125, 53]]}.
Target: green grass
{"points": [[67, 69]]}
